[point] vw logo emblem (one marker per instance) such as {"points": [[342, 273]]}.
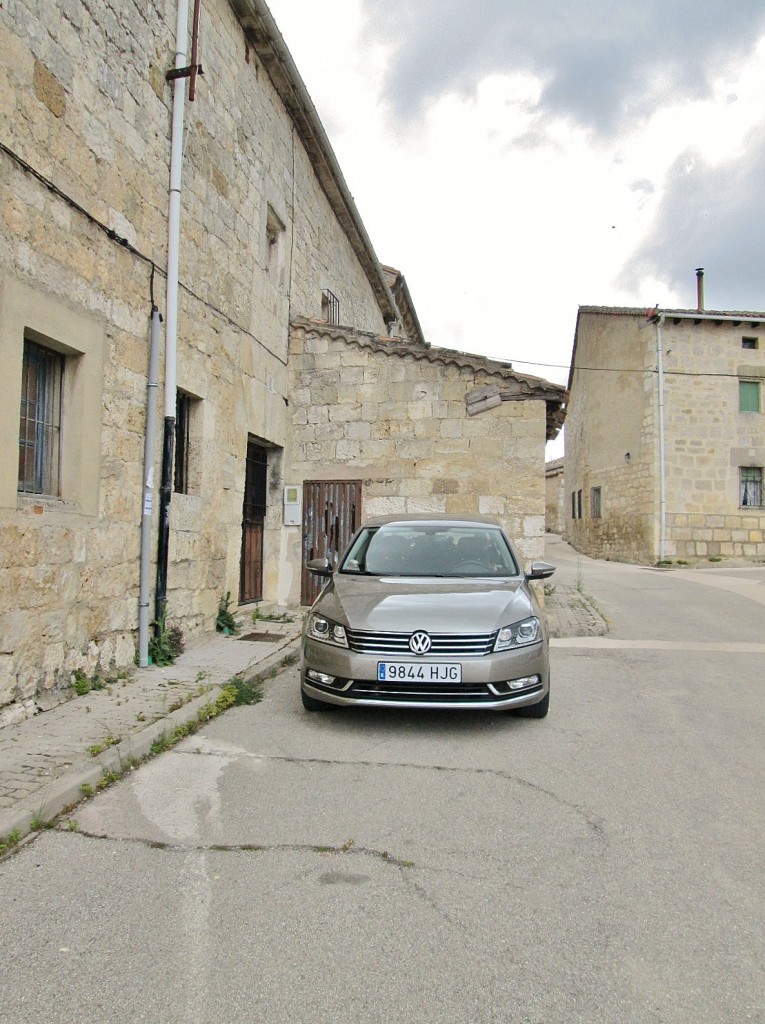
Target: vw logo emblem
{"points": [[419, 643]]}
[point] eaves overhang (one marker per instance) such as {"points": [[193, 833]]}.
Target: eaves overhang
{"points": [[507, 386], [266, 40]]}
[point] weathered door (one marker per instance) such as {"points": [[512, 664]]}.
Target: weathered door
{"points": [[253, 518], [331, 515]]}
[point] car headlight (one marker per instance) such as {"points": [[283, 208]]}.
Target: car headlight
{"points": [[519, 634], [324, 629]]}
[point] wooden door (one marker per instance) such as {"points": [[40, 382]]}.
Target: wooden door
{"points": [[253, 519], [331, 516]]}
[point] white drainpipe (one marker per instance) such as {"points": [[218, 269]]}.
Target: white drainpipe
{"points": [[174, 211], [662, 466], [171, 307]]}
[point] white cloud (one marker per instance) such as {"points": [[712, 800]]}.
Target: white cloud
{"points": [[505, 209]]}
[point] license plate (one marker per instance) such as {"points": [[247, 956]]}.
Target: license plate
{"points": [[418, 672]]}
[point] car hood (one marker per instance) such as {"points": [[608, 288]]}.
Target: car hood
{"points": [[388, 604]]}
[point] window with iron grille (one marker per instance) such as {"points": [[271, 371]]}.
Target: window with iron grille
{"points": [[330, 307], [750, 486], [595, 502], [749, 396], [42, 378]]}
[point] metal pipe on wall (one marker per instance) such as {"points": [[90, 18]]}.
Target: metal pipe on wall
{"points": [[171, 305], [662, 467], [148, 490]]}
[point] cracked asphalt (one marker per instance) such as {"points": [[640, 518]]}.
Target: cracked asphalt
{"points": [[602, 865]]}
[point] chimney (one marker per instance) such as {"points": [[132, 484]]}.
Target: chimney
{"points": [[700, 289]]}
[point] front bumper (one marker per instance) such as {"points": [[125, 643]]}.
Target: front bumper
{"points": [[486, 681]]}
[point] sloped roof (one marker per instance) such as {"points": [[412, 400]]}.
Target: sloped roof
{"points": [[512, 386], [696, 315], [266, 40]]}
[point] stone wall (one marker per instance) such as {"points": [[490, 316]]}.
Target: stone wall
{"points": [[708, 439], [394, 416], [613, 436], [609, 439], [555, 511], [83, 237]]}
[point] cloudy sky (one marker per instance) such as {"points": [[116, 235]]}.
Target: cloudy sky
{"points": [[518, 158]]}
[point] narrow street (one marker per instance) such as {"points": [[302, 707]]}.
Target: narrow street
{"points": [[603, 865]]}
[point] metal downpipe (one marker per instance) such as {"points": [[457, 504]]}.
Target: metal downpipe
{"points": [[148, 491], [171, 306]]}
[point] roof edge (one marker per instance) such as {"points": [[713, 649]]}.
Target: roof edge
{"points": [[264, 36]]}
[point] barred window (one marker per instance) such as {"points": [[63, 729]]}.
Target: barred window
{"points": [[595, 502], [330, 307], [579, 504], [750, 486], [42, 378]]}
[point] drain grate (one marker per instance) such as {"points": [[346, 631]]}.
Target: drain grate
{"points": [[264, 638]]}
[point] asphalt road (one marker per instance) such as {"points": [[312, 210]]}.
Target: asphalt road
{"points": [[603, 865]]}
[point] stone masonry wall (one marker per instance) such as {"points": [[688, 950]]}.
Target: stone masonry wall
{"points": [[610, 440], [396, 419], [83, 236], [708, 439]]}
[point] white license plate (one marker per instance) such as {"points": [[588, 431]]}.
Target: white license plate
{"points": [[418, 672]]}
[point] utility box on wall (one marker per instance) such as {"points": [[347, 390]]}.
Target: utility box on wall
{"points": [[293, 505]]}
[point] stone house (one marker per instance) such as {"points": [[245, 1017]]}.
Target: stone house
{"points": [[267, 398], [555, 506], [665, 435]]}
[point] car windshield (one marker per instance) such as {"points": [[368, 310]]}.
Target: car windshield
{"points": [[428, 549]]}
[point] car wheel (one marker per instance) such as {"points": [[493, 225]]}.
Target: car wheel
{"points": [[311, 704], [538, 710]]}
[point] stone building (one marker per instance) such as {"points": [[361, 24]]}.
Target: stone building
{"points": [[402, 427], [555, 506], [269, 237], [665, 435]]}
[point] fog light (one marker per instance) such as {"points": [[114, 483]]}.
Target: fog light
{"points": [[524, 682], [320, 677]]}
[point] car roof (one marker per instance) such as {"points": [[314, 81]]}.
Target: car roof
{"points": [[430, 517]]}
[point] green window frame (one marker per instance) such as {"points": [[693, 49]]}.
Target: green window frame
{"points": [[749, 396]]}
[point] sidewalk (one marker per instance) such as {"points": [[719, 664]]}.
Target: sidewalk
{"points": [[45, 761]]}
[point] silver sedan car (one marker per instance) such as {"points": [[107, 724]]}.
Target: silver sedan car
{"points": [[427, 611]]}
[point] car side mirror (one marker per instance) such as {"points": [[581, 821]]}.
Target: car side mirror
{"points": [[320, 567], [540, 571]]}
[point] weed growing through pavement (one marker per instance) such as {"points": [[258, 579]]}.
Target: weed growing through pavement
{"points": [[225, 622], [38, 823], [258, 616], [98, 748], [8, 842]]}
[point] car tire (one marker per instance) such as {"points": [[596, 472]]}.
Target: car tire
{"points": [[311, 704], [538, 710]]}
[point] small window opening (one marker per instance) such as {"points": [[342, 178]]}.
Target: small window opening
{"points": [[595, 502], [42, 379], [750, 343], [750, 487], [330, 307]]}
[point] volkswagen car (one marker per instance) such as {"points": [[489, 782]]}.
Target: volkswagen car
{"points": [[427, 611]]}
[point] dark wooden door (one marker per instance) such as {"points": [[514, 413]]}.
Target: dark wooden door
{"points": [[253, 518], [331, 515]]}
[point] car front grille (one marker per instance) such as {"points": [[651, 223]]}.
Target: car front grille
{"points": [[455, 645], [409, 692]]}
